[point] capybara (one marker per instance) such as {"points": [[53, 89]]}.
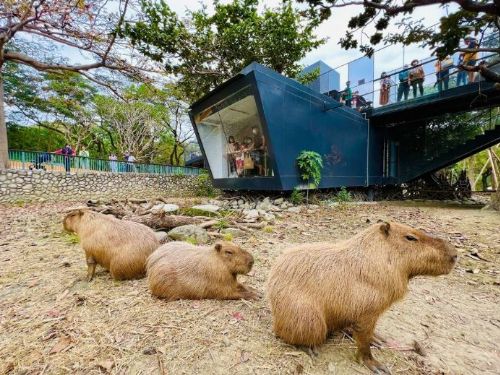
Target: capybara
{"points": [[317, 288], [179, 270], [120, 246]]}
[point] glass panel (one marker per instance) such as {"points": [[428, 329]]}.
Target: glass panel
{"points": [[233, 138]]}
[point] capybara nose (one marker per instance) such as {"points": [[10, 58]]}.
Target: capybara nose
{"points": [[454, 258], [250, 263]]}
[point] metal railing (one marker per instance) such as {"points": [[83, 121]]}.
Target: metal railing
{"points": [[36, 160]]}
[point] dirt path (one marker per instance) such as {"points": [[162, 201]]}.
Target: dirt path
{"points": [[54, 322]]}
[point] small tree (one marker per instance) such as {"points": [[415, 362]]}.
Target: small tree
{"points": [[310, 164]]}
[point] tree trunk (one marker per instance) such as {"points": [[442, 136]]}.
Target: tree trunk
{"points": [[164, 221], [4, 146]]}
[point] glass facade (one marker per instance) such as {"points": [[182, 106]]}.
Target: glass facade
{"points": [[233, 137]]}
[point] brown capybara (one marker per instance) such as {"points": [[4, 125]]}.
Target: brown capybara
{"points": [[179, 270], [120, 246], [317, 288]]}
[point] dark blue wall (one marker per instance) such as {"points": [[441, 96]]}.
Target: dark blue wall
{"points": [[298, 118]]}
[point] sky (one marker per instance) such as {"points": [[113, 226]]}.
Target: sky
{"points": [[334, 28]]}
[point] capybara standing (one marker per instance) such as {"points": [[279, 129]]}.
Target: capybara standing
{"points": [[120, 246], [179, 270], [318, 288]]}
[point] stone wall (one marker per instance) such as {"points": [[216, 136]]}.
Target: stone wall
{"points": [[40, 186]]}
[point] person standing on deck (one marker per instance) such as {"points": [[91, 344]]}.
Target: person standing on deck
{"points": [[347, 94], [417, 77], [404, 83]]}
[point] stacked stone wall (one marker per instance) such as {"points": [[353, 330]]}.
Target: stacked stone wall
{"points": [[40, 186]]}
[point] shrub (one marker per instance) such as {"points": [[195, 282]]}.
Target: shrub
{"points": [[268, 229], [204, 186], [221, 224], [297, 197], [227, 237], [343, 196]]}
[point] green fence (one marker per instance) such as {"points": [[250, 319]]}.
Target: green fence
{"points": [[34, 160]]}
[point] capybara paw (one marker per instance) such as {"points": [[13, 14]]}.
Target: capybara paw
{"points": [[250, 295], [376, 367], [313, 351]]}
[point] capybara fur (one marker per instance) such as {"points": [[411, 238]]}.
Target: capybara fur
{"points": [[317, 288], [179, 270], [120, 246]]}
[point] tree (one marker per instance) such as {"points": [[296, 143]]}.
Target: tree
{"points": [[480, 17], [78, 25], [205, 49], [310, 165]]}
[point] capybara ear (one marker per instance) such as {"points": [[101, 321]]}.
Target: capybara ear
{"points": [[218, 246], [384, 228]]}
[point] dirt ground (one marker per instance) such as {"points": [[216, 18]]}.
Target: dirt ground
{"points": [[54, 322]]}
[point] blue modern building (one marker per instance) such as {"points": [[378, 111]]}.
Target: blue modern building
{"points": [[252, 128]]}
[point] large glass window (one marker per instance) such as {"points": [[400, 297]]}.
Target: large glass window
{"points": [[232, 137]]}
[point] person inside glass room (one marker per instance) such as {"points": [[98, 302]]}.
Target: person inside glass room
{"points": [[248, 157]]}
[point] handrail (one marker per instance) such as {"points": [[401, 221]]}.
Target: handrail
{"points": [[39, 160]]}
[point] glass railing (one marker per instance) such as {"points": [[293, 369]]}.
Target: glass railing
{"points": [[427, 78], [376, 81], [35, 160]]}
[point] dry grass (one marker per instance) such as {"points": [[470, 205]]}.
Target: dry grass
{"points": [[53, 322]]}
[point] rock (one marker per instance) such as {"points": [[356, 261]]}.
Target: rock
{"points": [[313, 207], [294, 209], [278, 201], [264, 205], [235, 232], [270, 218], [211, 208], [161, 236], [157, 208], [184, 232], [251, 214], [170, 208]]}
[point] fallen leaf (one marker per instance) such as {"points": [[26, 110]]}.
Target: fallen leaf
{"points": [[238, 316], [149, 351], [62, 344], [106, 365], [54, 313], [244, 356]]}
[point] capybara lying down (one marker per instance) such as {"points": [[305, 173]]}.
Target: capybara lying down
{"points": [[318, 288], [179, 270], [120, 246]]}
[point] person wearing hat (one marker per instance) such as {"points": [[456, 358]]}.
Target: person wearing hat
{"points": [[417, 77], [470, 58], [347, 94], [385, 88]]}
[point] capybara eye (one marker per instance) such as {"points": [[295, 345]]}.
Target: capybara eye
{"points": [[409, 237], [229, 252]]}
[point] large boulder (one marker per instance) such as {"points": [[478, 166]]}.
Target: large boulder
{"points": [[186, 232]]}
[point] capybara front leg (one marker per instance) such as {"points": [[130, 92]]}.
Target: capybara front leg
{"points": [[91, 264], [248, 292], [363, 337]]}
